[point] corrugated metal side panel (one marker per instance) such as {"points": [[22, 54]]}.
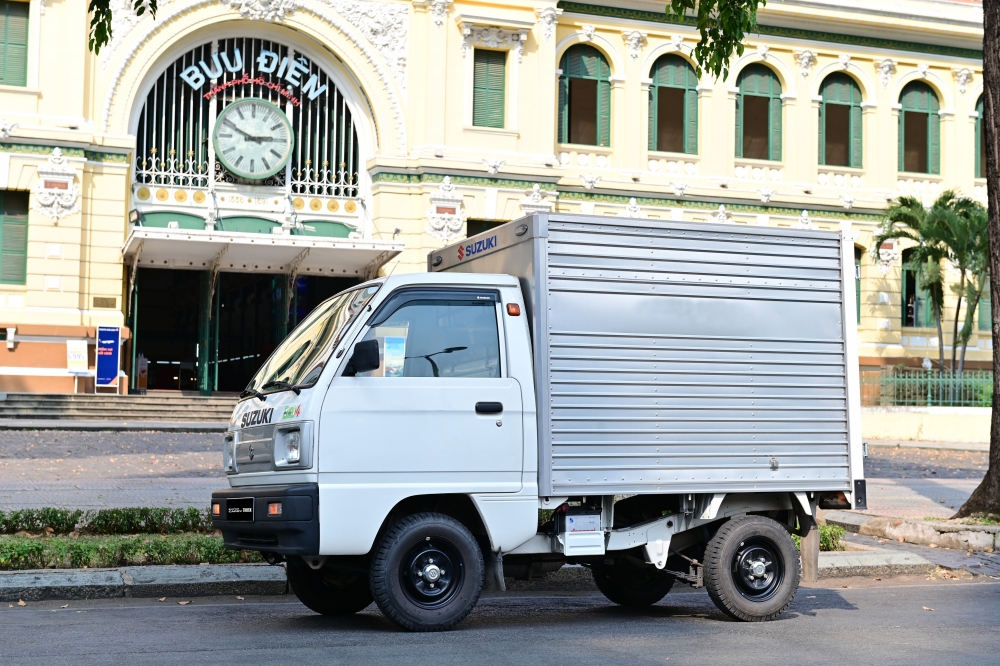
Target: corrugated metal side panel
{"points": [[689, 358]]}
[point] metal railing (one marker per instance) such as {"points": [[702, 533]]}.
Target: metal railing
{"points": [[920, 388]]}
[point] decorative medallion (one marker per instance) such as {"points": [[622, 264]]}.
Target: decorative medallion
{"points": [[446, 215], [57, 194]]}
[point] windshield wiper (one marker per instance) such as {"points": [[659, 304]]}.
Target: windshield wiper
{"points": [[282, 385], [252, 392]]}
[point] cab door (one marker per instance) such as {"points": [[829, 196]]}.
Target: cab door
{"points": [[441, 409]]}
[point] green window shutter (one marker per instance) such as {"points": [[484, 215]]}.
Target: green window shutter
{"points": [[604, 112], [902, 135], [739, 125], [14, 49], [691, 122], [986, 311], [652, 116], [857, 137], [774, 150], [934, 143], [822, 132], [488, 83], [13, 237], [563, 108]]}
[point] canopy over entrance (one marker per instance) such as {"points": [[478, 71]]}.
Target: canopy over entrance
{"points": [[234, 252]]}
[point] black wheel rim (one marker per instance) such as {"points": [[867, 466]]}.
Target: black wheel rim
{"points": [[758, 568], [431, 573]]}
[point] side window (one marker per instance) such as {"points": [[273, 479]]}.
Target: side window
{"points": [[438, 338]]}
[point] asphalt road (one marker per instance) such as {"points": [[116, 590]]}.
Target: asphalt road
{"points": [[887, 623]]}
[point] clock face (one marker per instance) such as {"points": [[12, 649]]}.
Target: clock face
{"points": [[253, 139]]}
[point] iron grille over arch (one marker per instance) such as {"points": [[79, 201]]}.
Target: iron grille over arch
{"points": [[175, 125]]}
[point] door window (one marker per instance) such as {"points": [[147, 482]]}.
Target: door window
{"points": [[438, 338]]}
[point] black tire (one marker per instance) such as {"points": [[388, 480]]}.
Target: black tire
{"points": [[329, 591], [427, 572], [752, 569], [630, 583]]}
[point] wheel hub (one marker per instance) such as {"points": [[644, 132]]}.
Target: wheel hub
{"points": [[431, 573], [758, 569]]}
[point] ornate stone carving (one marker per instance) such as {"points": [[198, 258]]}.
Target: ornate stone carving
{"points": [[677, 42], [123, 20], [493, 37], [590, 180], [679, 188], [535, 201], [884, 259], [264, 10], [804, 221], [57, 194], [805, 59], [438, 9], [847, 201], [588, 33], [548, 17], [384, 25], [446, 216], [845, 60], [963, 77], [632, 210], [763, 50], [6, 127], [765, 194], [923, 69], [721, 216], [634, 40], [885, 68], [493, 165]]}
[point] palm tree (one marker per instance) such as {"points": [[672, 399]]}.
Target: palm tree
{"points": [[971, 249], [907, 218]]}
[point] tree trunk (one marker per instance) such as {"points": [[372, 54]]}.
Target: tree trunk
{"points": [[986, 498], [937, 318], [954, 331]]}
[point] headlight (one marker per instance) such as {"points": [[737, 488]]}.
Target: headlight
{"points": [[293, 446]]}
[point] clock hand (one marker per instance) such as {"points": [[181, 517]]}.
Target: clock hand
{"points": [[233, 125]]}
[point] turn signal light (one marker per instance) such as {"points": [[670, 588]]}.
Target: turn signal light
{"points": [[216, 509], [274, 509], [514, 310]]}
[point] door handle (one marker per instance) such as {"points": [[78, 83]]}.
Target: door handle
{"points": [[489, 407]]}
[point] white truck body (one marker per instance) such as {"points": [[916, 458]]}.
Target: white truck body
{"points": [[577, 359]]}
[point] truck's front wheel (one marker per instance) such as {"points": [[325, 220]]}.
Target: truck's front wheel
{"points": [[629, 582], [329, 591], [752, 569], [427, 573]]}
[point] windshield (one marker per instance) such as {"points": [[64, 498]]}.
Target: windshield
{"points": [[300, 358]]}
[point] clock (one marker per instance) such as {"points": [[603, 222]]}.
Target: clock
{"points": [[253, 139]]}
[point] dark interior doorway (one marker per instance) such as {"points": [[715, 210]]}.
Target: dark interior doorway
{"points": [[246, 325]]}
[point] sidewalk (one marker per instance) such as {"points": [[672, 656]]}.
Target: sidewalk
{"points": [[117, 426], [923, 444]]}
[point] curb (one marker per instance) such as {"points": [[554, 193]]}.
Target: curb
{"points": [[927, 444], [923, 532], [846, 564], [130, 426], [142, 582]]}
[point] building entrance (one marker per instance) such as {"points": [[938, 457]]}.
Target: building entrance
{"points": [[179, 332]]}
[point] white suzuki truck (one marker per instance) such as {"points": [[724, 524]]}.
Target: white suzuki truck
{"points": [[654, 400]]}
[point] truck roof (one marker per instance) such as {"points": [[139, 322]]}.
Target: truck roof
{"points": [[452, 279]]}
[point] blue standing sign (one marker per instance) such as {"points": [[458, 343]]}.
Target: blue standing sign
{"points": [[108, 355]]}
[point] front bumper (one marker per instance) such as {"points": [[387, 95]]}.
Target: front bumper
{"points": [[294, 532]]}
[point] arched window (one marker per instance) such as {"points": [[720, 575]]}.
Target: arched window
{"points": [[840, 138], [585, 97], [673, 106], [980, 141], [758, 114], [918, 310], [919, 129]]}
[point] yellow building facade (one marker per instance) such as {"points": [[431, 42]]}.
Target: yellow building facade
{"points": [[141, 190]]}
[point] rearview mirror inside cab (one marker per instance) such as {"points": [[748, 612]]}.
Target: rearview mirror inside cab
{"points": [[364, 359]]}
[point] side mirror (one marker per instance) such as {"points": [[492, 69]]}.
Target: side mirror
{"points": [[364, 359]]}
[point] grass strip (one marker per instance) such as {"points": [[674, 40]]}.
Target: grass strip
{"points": [[65, 552], [129, 520], [830, 538]]}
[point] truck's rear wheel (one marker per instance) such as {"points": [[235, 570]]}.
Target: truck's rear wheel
{"points": [[752, 569], [630, 583], [427, 573], [329, 591]]}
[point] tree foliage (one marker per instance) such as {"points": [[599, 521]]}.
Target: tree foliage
{"points": [[722, 24], [100, 20]]}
